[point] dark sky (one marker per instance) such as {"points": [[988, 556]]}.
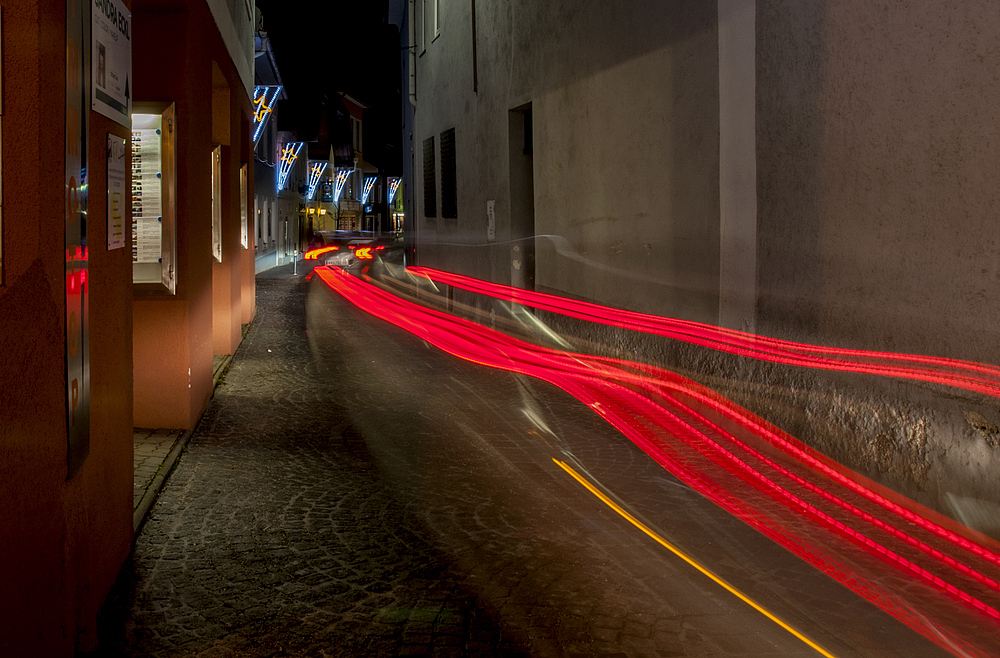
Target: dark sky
{"points": [[327, 46]]}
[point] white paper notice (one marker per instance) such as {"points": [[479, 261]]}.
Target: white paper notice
{"points": [[147, 212], [117, 189]]}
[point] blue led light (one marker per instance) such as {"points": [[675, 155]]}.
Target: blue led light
{"points": [[262, 108], [369, 184], [288, 156], [342, 176], [314, 176]]}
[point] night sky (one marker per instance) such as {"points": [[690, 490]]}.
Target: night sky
{"points": [[329, 46]]}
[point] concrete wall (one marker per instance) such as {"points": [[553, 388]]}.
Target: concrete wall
{"points": [[877, 152], [625, 154], [175, 337], [877, 141], [62, 540], [815, 171], [230, 129]]}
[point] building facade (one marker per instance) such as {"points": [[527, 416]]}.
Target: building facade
{"points": [[816, 172], [101, 331]]}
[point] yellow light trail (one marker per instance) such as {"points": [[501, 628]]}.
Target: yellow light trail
{"points": [[687, 558]]}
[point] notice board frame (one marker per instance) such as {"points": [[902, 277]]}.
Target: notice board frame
{"points": [[168, 187]]}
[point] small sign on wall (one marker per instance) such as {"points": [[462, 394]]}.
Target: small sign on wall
{"points": [[111, 60], [491, 220], [118, 180]]}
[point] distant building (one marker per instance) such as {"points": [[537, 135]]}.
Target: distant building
{"points": [[280, 165]]}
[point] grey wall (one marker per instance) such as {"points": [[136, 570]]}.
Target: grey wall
{"points": [[877, 150], [625, 103], [818, 171]]}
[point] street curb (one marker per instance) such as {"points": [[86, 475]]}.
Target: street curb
{"points": [[141, 512]]}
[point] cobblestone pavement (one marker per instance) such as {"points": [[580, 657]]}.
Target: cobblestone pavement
{"points": [[151, 448], [353, 492]]}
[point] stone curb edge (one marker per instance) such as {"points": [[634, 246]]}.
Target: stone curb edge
{"points": [[153, 490], [141, 513]]}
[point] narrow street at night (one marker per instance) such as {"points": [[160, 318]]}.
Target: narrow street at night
{"points": [[321, 510], [563, 328]]}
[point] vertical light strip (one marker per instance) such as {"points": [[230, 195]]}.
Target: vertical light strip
{"points": [[77, 281], [393, 186], [263, 108], [288, 157], [342, 177]]}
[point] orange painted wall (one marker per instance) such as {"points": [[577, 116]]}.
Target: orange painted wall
{"points": [[227, 116], [61, 542], [174, 338], [248, 285]]}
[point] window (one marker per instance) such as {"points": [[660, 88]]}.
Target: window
{"points": [[421, 20], [217, 203], [430, 181], [449, 184], [356, 133]]}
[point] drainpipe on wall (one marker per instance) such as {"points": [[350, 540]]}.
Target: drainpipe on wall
{"points": [[412, 55]]}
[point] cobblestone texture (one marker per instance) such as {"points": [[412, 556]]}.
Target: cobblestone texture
{"points": [[275, 535], [151, 447], [351, 492]]}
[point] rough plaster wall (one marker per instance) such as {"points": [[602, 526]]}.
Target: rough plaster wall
{"points": [[636, 77], [876, 152], [875, 146], [878, 145], [626, 175]]}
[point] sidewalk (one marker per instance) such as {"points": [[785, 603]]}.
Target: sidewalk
{"points": [[276, 533], [156, 452]]}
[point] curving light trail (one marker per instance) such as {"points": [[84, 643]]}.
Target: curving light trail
{"points": [[940, 583], [969, 375]]}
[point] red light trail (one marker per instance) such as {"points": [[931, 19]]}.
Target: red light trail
{"points": [[968, 375], [314, 254], [939, 582]]}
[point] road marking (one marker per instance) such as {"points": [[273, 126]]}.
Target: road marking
{"points": [[687, 558]]}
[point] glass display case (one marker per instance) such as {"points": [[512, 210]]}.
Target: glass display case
{"points": [[154, 198]]}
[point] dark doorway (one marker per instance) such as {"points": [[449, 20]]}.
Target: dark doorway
{"points": [[522, 199]]}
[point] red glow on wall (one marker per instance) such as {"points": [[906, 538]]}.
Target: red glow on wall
{"points": [[887, 549]]}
